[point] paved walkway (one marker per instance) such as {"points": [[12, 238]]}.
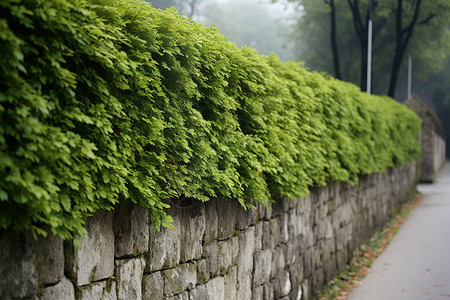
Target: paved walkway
{"points": [[416, 265]]}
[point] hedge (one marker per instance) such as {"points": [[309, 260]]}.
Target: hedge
{"points": [[106, 100]]}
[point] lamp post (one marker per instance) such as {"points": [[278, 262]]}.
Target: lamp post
{"points": [[409, 75], [369, 48]]}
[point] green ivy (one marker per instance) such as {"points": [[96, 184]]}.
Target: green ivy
{"points": [[104, 100]]}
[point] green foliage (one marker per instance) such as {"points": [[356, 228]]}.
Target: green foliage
{"points": [[103, 100]]}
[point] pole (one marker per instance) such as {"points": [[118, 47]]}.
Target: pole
{"points": [[409, 75], [369, 50]]}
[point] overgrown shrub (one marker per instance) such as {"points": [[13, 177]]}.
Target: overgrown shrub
{"points": [[103, 100]]}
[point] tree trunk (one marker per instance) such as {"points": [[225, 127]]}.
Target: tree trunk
{"points": [[402, 38], [363, 75], [361, 32], [192, 5]]}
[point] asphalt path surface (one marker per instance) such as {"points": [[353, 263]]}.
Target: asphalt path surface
{"points": [[416, 264]]}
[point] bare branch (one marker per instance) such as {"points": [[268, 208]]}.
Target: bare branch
{"points": [[426, 20]]}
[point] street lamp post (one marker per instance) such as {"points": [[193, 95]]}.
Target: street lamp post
{"points": [[409, 75], [369, 48]]}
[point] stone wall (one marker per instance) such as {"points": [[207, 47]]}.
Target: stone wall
{"points": [[217, 251], [438, 147], [432, 140]]}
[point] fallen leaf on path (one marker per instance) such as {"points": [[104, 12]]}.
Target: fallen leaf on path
{"points": [[445, 295], [428, 292], [438, 285]]}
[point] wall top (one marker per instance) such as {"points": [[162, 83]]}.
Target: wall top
{"points": [[425, 113]]}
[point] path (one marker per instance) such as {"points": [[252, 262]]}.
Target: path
{"points": [[416, 265]]}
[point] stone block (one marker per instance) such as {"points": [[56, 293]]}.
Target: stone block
{"points": [[258, 236], [284, 233], [129, 274], [285, 204], [308, 266], [105, 290], [211, 253], [153, 286], [262, 267], [307, 237], [306, 292], [227, 211], [329, 269], [278, 261], [245, 263], [131, 230], [343, 237], [267, 213], [203, 272], [244, 289], [50, 259], [184, 296], [277, 208], [275, 232], [266, 238], [268, 291], [26, 263], [258, 293], [179, 279], [296, 276], [227, 252], [211, 221], [318, 279], [280, 206], [305, 205], [318, 255], [320, 213], [198, 292], [192, 229], [18, 266], [215, 289], [261, 209], [293, 253], [246, 248], [281, 284], [63, 290], [323, 230], [165, 245], [293, 203], [294, 225], [94, 261], [246, 218], [230, 284], [330, 246], [342, 259]]}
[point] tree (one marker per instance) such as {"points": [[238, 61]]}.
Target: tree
{"points": [[333, 36], [403, 35], [395, 22]]}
